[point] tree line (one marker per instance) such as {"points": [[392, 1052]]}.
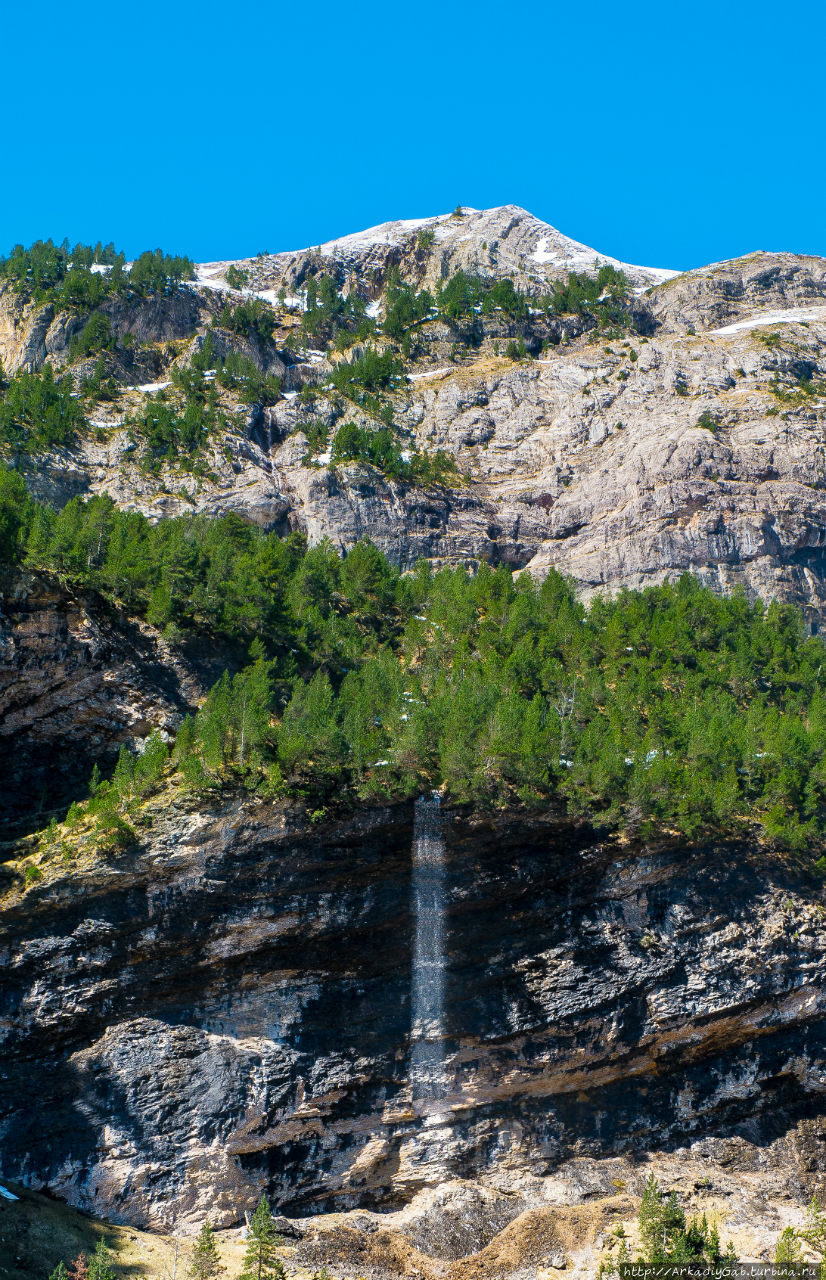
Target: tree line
{"points": [[65, 275]]}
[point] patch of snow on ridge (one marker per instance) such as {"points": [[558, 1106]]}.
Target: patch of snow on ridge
{"points": [[429, 373], [384, 233], [792, 316], [576, 256]]}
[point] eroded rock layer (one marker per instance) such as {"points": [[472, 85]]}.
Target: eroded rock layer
{"points": [[229, 1010]]}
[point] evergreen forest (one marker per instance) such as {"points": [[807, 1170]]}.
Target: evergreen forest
{"points": [[669, 710]]}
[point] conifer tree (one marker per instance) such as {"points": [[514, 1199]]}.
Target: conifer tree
{"points": [[100, 1263], [260, 1260], [205, 1263], [59, 1273]]}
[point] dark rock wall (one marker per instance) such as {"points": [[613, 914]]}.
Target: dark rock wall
{"points": [[230, 1010], [77, 680]]}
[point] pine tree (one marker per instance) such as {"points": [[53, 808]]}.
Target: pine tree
{"points": [[260, 1261], [205, 1263], [100, 1264], [59, 1273], [789, 1248]]}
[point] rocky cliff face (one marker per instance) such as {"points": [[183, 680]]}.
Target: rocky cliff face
{"points": [[76, 681], [229, 1010]]}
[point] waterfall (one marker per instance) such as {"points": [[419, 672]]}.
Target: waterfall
{"points": [[427, 1051]]}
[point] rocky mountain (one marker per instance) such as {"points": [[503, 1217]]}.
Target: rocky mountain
{"points": [[232, 999], [693, 440], [492, 243]]}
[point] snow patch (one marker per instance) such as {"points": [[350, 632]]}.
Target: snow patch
{"points": [[291, 301], [384, 233], [151, 386], [559, 251], [792, 316], [430, 373]]}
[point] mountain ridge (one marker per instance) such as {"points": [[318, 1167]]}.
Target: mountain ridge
{"points": [[690, 440]]}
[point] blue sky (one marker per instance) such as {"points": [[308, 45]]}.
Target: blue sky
{"points": [[662, 133]]}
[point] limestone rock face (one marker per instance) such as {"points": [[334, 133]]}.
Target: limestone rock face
{"points": [[229, 1010], [722, 293]]}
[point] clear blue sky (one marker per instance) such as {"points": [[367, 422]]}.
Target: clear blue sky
{"points": [[666, 134]]}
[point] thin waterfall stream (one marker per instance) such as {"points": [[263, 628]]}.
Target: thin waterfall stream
{"points": [[427, 1051]]}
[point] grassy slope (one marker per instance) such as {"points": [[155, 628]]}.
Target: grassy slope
{"points": [[36, 1233]]}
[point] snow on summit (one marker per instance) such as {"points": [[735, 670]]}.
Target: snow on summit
{"points": [[506, 240]]}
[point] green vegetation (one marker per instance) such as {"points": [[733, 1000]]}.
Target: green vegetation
{"points": [[382, 449], [234, 372], [96, 335], [330, 317], [15, 509], [176, 434], [372, 372], [667, 710], [251, 318], [157, 272], [603, 296], [795, 1242], [261, 1261], [98, 1267], [463, 296], [404, 308], [317, 433], [99, 385], [236, 277], [797, 389], [516, 350], [668, 1239], [204, 1262], [64, 275], [113, 805], [38, 411], [464, 300], [175, 427]]}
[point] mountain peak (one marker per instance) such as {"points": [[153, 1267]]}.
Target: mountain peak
{"points": [[503, 241]]}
